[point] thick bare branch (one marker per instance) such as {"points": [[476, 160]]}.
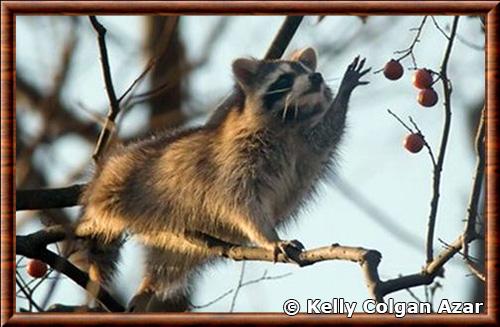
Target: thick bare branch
{"points": [[48, 198], [283, 38]]}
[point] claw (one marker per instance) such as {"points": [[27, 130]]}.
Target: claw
{"points": [[289, 249], [364, 72], [361, 63], [297, 245], [355, 62]]}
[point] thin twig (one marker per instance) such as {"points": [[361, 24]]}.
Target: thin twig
{"points": [[28, 296], [475, 271], [400, 121], [55, 281], [439, 28], [416, 131], [461, 253], [442, 149], [409, 51], [426, 144], [264, 277], [217, 299], [238, 287], [413, 295], [139, 78]]}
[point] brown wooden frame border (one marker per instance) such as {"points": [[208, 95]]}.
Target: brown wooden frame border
{"points": [[9, 9]]}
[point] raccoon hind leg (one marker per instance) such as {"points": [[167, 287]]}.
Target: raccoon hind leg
{"points": [[103, 242], [166, 286]]}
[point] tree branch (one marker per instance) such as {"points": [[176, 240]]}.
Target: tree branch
{"points": [[35, 246], [444, 141], [435, 267], [284, 36], [114, 108], [473, 207], [48, 198], [241, 284]]}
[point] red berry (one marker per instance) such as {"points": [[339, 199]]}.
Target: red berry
{"points": [[427, 97], [393, 70], [36, 268], [422, 79], [413, 142]]}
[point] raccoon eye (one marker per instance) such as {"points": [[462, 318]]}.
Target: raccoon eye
{"points": [[285, 81], [278, 89]]}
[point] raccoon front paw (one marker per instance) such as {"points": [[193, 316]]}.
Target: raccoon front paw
{"points": [[353, 74], [291, 250]]}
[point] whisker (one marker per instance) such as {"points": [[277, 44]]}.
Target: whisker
{"points": [[283, 116], [278, 91]]}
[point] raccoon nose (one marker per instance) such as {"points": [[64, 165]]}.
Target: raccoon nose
{"points": [[316, 79]]}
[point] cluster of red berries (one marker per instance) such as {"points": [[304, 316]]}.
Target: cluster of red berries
{"points": [[421, 79], [427, 97]]}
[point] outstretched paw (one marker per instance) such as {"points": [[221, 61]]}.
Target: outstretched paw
{"points": [[354, 73], [291, 250]]}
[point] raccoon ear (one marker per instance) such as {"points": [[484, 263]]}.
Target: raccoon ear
{"points": [[306, 56], [245, 71]]}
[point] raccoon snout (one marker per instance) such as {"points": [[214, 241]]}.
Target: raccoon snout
{"points": [[316, 79]]}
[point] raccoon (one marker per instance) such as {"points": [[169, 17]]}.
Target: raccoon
{"points": [[238, 178]]}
